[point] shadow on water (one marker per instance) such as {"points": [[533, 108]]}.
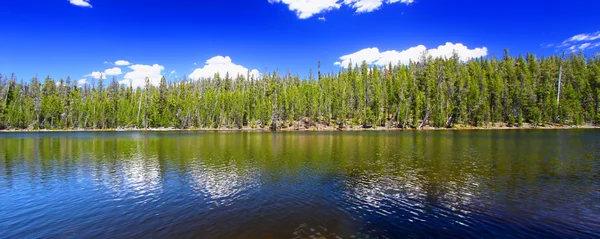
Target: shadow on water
{"points": [[480, 184]]}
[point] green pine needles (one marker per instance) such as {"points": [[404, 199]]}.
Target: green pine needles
{"points": [[428, 93]]}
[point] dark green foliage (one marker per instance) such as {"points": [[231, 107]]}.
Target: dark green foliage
{"points": [[431, 92]]}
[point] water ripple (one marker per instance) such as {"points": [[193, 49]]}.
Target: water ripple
{"points": [[305, 185]]}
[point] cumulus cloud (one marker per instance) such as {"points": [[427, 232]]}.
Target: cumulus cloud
{"points": [[82, 81], [137, 77], [115, 71], [374, 56], [370, 55], [307, 8], [122, 63], [81, 3], [96, 75], [221, 65]]}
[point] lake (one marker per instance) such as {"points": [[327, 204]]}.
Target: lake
{"points": [[410, 184]]}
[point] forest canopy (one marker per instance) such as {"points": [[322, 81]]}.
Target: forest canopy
{"points": [[435, 92]]}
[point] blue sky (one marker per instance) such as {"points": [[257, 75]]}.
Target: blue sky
{"points": [[83, 39]]}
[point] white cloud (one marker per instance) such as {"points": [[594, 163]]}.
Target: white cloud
{"points": [[546, 45], [584, 37], [370, 55], [81, 3], [82, 81], [172, 72], [137, 77], [122, 63], [115, 71], [307, 8], [579, 42], [374, 56], [584, 46], [221, 65], [96, 75], [463, 51], [322, 19], [371, 5]]}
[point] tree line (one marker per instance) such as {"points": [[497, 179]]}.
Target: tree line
{"points": [[435, 92]]}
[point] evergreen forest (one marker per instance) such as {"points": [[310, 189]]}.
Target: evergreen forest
{"points": [[430, 92]]}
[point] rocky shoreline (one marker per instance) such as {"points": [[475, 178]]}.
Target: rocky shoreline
{"points": [[318, 128]]}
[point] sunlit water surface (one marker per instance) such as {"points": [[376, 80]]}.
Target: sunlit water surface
{"points": [[476, 184]]}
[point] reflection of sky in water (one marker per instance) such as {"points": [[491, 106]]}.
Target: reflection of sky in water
{"points": [[128, 185], [142, 175], [410, 196], [222, 184], [136, 177], [382, 194]]}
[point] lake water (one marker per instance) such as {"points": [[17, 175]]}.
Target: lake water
{"points": [[442, 184]]}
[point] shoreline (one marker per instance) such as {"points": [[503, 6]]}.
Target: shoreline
{"points": [[310, 129]]}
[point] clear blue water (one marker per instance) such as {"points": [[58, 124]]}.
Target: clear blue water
{"points": [[446, 184]]}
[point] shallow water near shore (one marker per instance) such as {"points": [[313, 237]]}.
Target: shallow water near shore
{"points": [[413, 184]]}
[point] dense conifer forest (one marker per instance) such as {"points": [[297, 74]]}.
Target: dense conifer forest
{"points": [[426, 93]]}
